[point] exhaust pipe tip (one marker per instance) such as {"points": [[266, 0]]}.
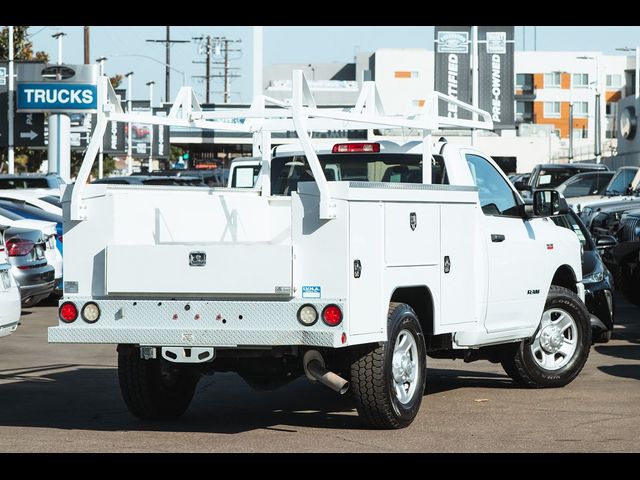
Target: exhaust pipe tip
{"points": [[316, 372]]}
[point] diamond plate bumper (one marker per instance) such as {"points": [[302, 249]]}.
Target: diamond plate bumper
{"points": [[200, 323]]}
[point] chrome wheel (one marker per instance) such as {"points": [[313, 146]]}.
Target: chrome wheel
{"points": [[405, 366], [555, 343]]}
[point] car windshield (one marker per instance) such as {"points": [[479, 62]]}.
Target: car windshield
{"points": [[286, 172], [11, 183], [553, 178], [585, 184], [27, 211], [621, 182]]}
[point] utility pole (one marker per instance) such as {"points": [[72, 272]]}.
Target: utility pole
{"points": [[167, 69], [220, 46], [207, 62], [87, 56], [10, 114]]}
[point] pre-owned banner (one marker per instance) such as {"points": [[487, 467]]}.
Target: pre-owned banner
{"points": [[495, 74], [453, 68]]}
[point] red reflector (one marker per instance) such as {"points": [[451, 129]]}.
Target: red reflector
{"points": [[332, 315], [17, 247], [68, 312], [356, 148], [344, 338]]}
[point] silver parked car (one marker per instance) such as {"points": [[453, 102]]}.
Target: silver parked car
{"points": [[25, 250]]}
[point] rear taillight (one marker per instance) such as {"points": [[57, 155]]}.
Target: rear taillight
{"points": [[68, 312], [356, 148], [332, 315], [17, 247]]}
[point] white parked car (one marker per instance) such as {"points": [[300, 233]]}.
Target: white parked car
{"points": [[47, 199], [9, 296]]}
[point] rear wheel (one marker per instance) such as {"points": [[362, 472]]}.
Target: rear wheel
{"points": [[557, 352], [601, 336], [154, 389], [388, 380]]}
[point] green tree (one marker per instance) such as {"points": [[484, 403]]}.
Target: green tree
{"points": [[22, 46]]}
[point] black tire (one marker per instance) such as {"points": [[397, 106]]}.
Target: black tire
{"points": [[519, 362], [372, 380], [601, 336], [154, 389]]}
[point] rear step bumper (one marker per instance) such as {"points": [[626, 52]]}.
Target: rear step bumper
{"points": [[201, 323]]}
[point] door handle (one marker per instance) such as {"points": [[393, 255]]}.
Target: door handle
{"points": [[497, 237]]}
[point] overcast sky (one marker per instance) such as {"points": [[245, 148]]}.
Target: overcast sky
{"points": [[281, 45]]}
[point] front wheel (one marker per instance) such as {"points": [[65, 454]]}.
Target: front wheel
{"points": [[388, 380], [154, 389], [557, 352]]}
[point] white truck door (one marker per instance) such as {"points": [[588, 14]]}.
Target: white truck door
{"points": [[515, 255]]}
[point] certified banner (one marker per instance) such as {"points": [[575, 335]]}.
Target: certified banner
{"points": [[453, 68], [495, 74]]}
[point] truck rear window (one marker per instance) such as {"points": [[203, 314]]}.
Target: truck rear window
{"points": [[286, 172]]}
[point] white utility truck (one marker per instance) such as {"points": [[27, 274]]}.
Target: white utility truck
{"points": [[349, 263]]}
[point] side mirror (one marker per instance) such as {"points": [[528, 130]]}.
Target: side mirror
{"points": [[547, 203], [606, 241], [522, 186]]}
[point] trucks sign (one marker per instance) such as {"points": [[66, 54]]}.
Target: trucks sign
{"points": [[49, 97]]}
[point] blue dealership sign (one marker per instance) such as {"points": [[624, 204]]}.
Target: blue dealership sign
{"points": [[51, 97]]}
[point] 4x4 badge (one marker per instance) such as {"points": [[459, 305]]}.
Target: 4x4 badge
{"points": [[413, 220]]}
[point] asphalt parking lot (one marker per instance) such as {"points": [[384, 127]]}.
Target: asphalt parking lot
{"points": [[66, 398]]}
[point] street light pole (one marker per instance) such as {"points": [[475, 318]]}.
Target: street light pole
{"points": [[571, 131], [58, 36], [474, 79], [59, 148], [150, 85], [10, 114], [129, 137], [101, 61], [597, 135]]}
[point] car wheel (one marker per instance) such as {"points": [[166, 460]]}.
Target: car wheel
{"points": [[557, 352], [388, 380]]}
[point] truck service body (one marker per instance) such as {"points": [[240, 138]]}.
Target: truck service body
{"points": [[341, 256]]}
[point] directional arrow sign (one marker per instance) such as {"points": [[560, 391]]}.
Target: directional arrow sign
{"points": [[29, 130], [30, 135]]}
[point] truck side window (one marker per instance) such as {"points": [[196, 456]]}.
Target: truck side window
{"points": [[496, 197]]}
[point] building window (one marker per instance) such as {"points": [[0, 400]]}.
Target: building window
{"points": [[552, 109], [614, 81], [417, 103], [552, 80], [521, 79], [520, 108], [581, 109], [580, 80]]}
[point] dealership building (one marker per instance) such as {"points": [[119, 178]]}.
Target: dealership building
{"points": [[545, 86]]}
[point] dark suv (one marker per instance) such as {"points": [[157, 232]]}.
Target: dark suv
{"points": [[624, 258], [30, 180], [550, 175]]}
